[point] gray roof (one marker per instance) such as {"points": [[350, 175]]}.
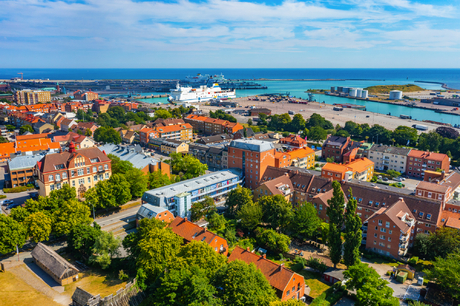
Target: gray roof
{"points": [[252, 145], [24, 161], [53, 261], [215, 138], [150, 211], [193, 184], [129, 153], [383, 186], [389, 149], [81, 297], [335, 141]]}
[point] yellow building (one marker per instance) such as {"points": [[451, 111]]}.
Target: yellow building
{"points": [[363, 169], [176, 132], [81, 169], [174, 146], [302, 158], [29, 97]]}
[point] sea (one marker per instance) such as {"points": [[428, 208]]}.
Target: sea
{"points": [[280, 80]]}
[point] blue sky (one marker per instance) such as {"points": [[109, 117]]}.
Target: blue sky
{"points": [[229, 34]]}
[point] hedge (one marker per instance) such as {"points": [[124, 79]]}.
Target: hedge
{"points": [[2, 196], [17, 189]]}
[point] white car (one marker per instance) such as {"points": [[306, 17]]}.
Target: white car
{"points": [[7, 202]]}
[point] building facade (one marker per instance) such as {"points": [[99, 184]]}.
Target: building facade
{"points": [[28, 96], [388, 157], [419, 161]]}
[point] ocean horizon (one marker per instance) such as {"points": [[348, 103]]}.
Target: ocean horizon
{"points": [[449, 76]]}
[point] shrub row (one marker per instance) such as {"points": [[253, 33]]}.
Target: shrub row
{"points": [[18, 189]]}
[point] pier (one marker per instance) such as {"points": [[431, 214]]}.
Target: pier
{"points": [[150, 97]]}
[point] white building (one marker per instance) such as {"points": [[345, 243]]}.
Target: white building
{"points": [[388, 157]]}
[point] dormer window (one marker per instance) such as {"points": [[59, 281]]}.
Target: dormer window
{"points": [[428, 216], [420, 214]]}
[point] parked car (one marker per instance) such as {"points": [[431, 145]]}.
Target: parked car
{"points": [[6, 202], [34, 195], [385, 179], [13, 205]]}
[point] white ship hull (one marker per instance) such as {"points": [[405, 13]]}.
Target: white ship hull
{"points": [[201, 94]]}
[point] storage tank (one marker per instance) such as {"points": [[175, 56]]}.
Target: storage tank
{"points": [[340, 89], [395, 95], [352, 92], [345, 89], [359, 92], [364, 94], [332, 88]]}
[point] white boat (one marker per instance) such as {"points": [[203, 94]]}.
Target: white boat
{"points": [[200, 94]]}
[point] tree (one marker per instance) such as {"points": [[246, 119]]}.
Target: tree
{"points": [[249, 121], [12, 234], [200, 254], [442, 242], [243, 285], [81, 239], [158, 249], [157, 179], [117, 113], [353, 233], [430, 141], [278, 243], [237, 198], [446, 273], [137, 181], [203, 208], [3, 139], [297, 123], [250, 215], [69, 215], [262, 119], [88, 132], [371, 289], [19, 214], [305, 222], [120, 188], [38, 226], [10, 127], [187, 166], [380, 134], [184, 287], [216, 222], [276, 211], [335, 214], [317, 134], [405, 135], [105, 247], [101, 195], [25, 128], [162, 113], [107, 134], [120, 166], [393, 173]]}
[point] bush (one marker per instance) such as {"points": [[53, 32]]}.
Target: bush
{"points": [[299, 264], [413, 261], [122, 275], [17, 189], [2, 196], [316, 264]]}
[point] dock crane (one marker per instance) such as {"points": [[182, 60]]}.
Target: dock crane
{"points": [[22, 75]]}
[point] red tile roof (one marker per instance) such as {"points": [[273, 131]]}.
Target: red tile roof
{"points": [[190, 231], [427, 155]]}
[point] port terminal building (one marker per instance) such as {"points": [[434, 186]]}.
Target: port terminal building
{"points": [[178, 198]]}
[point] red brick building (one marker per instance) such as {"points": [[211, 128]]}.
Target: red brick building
{"points": [[433, 191], [294, 141], [419, 161], [287, 283], [336, 146], [253, 156]]}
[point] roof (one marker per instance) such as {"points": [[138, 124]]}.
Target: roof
{"points": [[300, 153], [281, 185], [81, 297], [294, 139], [335, 167], [47, 164], [6, 149], [452, 180], [193, 184], [129, 153], [397, 213], [191, 231], [335, 273], [215, 138], [360, 165], [172, 142], [335, 141], [390, 149], [24, 162], [406, 267], [433, 187], [51, 260], [277, 275], [252, 145], [36, 145], [86, 125], [428, 155], [173, 128], [33, 136], [150, 211], [168, 121]]}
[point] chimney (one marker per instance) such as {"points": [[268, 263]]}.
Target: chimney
{"points": [[247, 249], [281, 266], [264, 256]]}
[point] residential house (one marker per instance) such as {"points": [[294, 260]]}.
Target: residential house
{"points": [[81, 169], [281, 185], [85, 95], [434, 191], [167, 122], [190, 231], [68, 125], [336, 146], [129, 137], [212, 126], [287, 284], [294, 142], [150, 212], [146, 134], [216, 139], [419, 161], [174, 146], [282, 159], [178, 132], [214, 157], [54, 265], [361, 169], [42, 127], [302, 158], [84, 126]]}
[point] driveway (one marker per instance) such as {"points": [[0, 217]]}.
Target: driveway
{"points": [[18, 198]]}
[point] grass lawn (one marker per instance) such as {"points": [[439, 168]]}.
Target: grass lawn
{"points": [[313, 280], [96, 283], [14, 291]]}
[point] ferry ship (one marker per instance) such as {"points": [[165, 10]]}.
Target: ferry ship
{"points": [[200, 94]]}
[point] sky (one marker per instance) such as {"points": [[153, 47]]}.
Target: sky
{"points": [[229, 34]]}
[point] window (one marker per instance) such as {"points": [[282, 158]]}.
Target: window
{"points": [[106, 176], [51, 178], [72, 173], [89, 179], [382, 237], [428, 216], [390, 232], [88, 170], [94, 168], [321, 206], [383, 230], [380, 222], [100, 168], [375, 235], [64, 175], [387, 224], [58, 177], [73, 183], [95, 178], [80, 172], [420, 214], [389, 239]]}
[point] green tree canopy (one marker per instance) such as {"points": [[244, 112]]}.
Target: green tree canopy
{"points": [[187, 166], [200, 254], [305, 222], [81, 239], [38, 226], [120, 166], [162, 113], [203, 208], [269, 238], [25, 128], [446, 273], [107, 134], [19, 214], [353, 233], [404, 135], [105, 247], [101, 195], [157, 179], [336, 218], [277, 212], [137, 182], [317, 134], [69, 215], [237, 198], [12, 234], [250, 215], [120, 188], [243, 285]]}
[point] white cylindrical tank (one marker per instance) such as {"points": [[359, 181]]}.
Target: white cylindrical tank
{"points": [[359, 92], [352, 92], [395, 95], [364, 94]]}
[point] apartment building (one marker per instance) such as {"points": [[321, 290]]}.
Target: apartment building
{"points": [[169, 146], [212, 126], [81, 169], [30, 145], [253, 157], [336, 146], [419, 161], [22, 170], [361, 169], [279, 186], [388, 157], [442, 193], [214, 157], [146, 134], [389, 230], [74, 106], [282, 159], [178, 132], [28, 96], [85, 95], [302, 158], [178, 198], [150, 212]]}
